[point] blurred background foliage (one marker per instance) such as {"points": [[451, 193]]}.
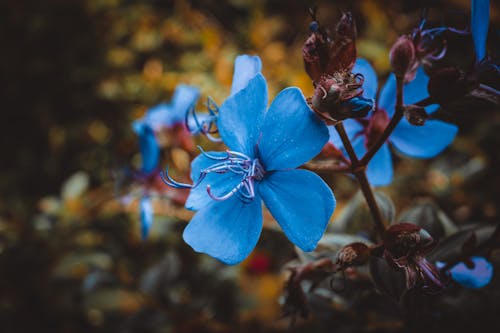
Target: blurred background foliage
{"points": [[75, 74]]}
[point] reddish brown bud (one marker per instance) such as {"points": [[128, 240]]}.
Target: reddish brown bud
{"points": [[325, 54], [402, 56], [405, 239], [337, 97], [343, 51], [354, 254], [377, 125], [315, 54]]}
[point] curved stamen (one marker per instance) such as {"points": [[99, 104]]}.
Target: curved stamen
{"points": [[225, 196], [204, 126], [427, 270], [324, 92], [360, 77], [246, 168], [165, 177], [438, 56], [213, 157], [213, 138]]}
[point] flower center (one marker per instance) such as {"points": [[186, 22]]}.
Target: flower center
{"points": [[250, 170]]}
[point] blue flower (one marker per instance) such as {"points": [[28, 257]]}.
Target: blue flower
{"points": [[474, 278], [265, 148], [413, 141], [165, 115], [480, 17], [146, 215]]}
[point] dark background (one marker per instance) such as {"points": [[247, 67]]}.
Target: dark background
{"points": [[74, 74]]}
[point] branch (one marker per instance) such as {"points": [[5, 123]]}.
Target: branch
{"points": [[396, 118], [359, 171]]}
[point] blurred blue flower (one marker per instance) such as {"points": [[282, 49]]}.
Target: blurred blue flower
{"points": [[474, 278], [414, 141], [170, 114], [150, 150], [265, 148], [245, 68], [480, 17], [146, 215], [161, 116], [164, 115]]}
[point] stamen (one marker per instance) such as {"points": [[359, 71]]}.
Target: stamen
{"points": [[440, 55], [206, 126], [165, 177], [248, 169], [213, 157], [225, 196], [428, 271], [324, 92]]}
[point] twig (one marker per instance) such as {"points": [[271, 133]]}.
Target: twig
{"points": [[360, 174], [398, 114]]}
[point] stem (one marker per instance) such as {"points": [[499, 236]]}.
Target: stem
{"points": [[360, 174], [358, 166], [327, 166], [425, 102], [398, 115], [347, 144], [370, 200]]}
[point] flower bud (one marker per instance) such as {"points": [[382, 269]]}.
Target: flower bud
{"points": [[343, 51], [377, 125], [405, 239], [415, 114], [354, 254], [315, 54], [338, 97], [402, 56]]}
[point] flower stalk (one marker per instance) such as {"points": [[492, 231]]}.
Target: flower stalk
{"points": [[398, 115], [358, 166], [359, 172]]}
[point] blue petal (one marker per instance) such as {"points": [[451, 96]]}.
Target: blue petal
{"points": [[169, 114], [477, 277], [370, 84], [220, 183], [241, 115], [184, 98], [160, 115], [146, 212], [479, 22], [245, 69], [352, 127], [150, 151], [413, 92], [387, 98], [360, 106], [379, 170], [423, 141], [226, 230], [291, 133], [301, 203]]}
